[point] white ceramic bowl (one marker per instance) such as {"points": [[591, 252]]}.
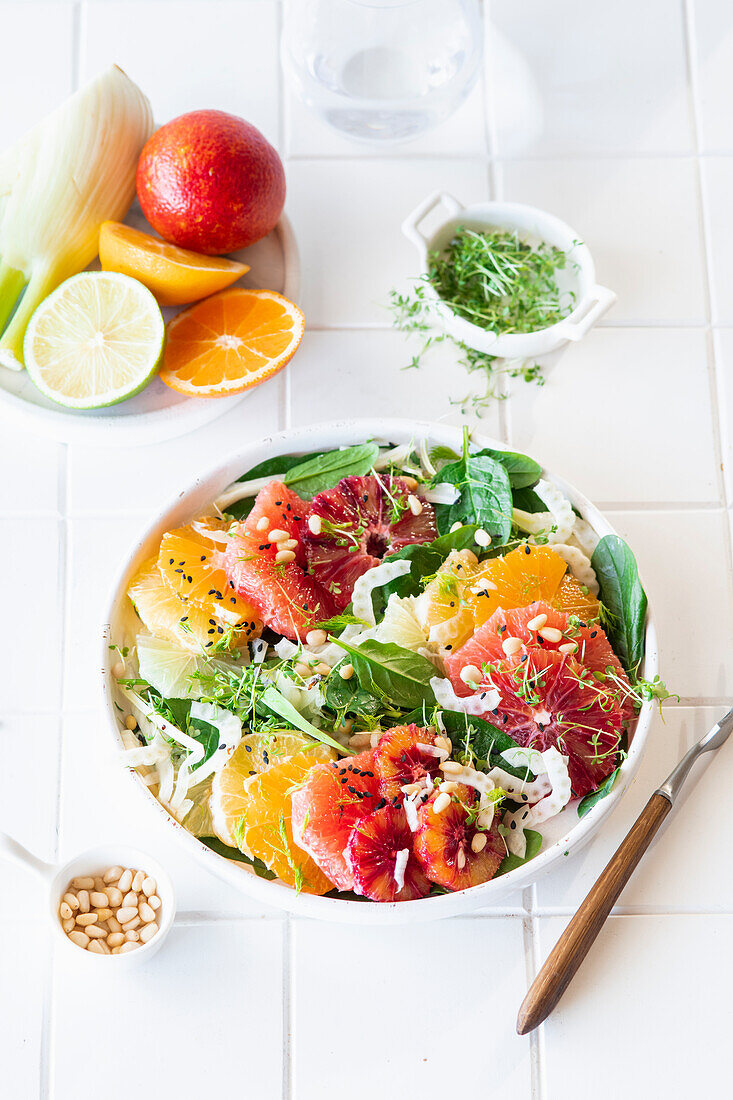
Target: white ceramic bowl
{"points": [[533, 225], [563, 835]]}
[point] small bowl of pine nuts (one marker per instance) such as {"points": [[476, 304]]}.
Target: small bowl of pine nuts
{"points": [[112, 900]]}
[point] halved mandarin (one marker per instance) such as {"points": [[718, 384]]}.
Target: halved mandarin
{"points": [[176, 276], [230, 342]]}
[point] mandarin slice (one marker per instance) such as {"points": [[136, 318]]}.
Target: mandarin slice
{"points": [[521, 577], [573, 598]]}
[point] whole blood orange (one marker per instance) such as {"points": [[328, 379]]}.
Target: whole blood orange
{"points": [[210, 182]]}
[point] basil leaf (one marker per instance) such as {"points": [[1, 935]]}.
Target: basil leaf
{"points": [[510, 862], [325, 470], [523, 471], [279, 705], [624, 599], [485, 496], [224, 850], [605, 789], [528, 501], [390, 672], [206, 734]]}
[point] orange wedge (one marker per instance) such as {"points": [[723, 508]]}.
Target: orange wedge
{"points": [[176, 276], [230, 342]]}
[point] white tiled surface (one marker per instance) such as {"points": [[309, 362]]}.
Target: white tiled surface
{"points": [[632, 144]]}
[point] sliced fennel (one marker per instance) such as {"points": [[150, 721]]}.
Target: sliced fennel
{"points": [[73, 171]]}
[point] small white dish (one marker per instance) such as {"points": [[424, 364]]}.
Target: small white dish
{"points": [[158, 412], [564, 834], [579, 276], [95, 861]]}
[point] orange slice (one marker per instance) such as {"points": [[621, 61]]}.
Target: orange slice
{"points": [[230, 342], [574, 599], [176, 276], [265, 827], [521, 577]]}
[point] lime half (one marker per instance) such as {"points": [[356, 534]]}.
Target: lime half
{"points": [[95, 341]]}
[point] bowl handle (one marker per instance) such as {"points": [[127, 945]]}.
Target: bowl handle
{"points": [[412, 221], [601, 299], [16, 853]]}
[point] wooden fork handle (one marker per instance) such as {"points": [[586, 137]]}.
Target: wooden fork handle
{"points": [[574, 944]]}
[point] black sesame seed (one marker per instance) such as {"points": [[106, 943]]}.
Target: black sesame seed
{"points": [[528, 549], [211, 631]]}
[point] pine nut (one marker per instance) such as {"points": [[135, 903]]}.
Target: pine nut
{"points": [[131, 925], [414, 504], [65, 910], [263, 523], [148, 887], [132, 936], [114, 939], [79, 938], [511, 646], [302, 670], [99, 884], [471, 675], [460, 859], [451, 767], [113, 925], [550, 634], [72, 901], [103, 914], [411, 788], [316, 637], [131, 722], [112, 874], [277, 535], [68, 925], [346, 672], [148, 932], [114, 896], [125, 881], [568, 647], [283, 557], [146, 913], [96, 933], [83, 883], [323, 669], [116, 950], [86, 918], [130, 899], [448, 786], [409, 482], [127, 947], [125, 914], [443, 743], [289, 544], [442, 802], [118, 670], [315, 525], [97, 948], [537, 622], [154, 901], [360, 741], [137, 882], [99, 899], [482, 538], [456, 526], [478, 843], [83, 901]]}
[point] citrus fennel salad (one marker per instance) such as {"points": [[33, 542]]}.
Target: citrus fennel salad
{"points": [[376, 671]]}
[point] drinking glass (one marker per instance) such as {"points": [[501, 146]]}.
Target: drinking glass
{"points": [[382, 70]]}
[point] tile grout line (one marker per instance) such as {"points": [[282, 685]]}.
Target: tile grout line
{"points": [[530, 933], [287, 1008]]}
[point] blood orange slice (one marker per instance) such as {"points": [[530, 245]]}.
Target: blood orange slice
{"points": [[326, 808], [352, 526], [447, 848], [381, 858]]}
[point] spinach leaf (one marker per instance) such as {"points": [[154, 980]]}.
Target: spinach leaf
{"points": [[426, 559], [206, 734], [486, 740], [510, 862], [591, 799], [279, 465], [528, 501], [523, 471], [325, 470], [348, 696], [485, 495], [279, 705], [224, 850], [390, 672], [624, 599]]}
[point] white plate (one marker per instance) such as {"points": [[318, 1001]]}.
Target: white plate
{"points": [[563, 834], [158, 412]]}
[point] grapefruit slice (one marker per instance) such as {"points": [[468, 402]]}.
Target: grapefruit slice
{"points": [[353, 526], [286, 597], [326, 807]]}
